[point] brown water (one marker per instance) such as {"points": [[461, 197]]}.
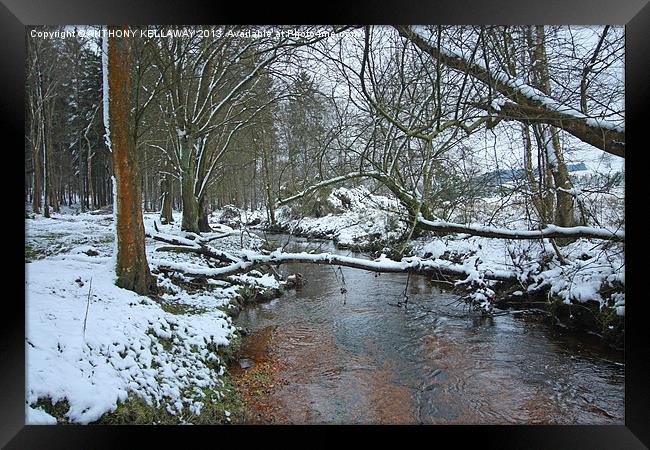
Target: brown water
{"points": [[355, 358]]}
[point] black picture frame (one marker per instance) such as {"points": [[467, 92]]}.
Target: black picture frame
{"points": [[634, 14]]}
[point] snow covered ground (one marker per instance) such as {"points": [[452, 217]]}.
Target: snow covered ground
{"points": [[362, 216], [94, 345]]}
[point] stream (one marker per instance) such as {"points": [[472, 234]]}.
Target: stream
{"points": [[356, 358]]}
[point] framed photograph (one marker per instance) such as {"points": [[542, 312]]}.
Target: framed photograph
{"points": [[409, 221]]}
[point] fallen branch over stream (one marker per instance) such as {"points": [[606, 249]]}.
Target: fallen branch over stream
{"points": [[407, 265], [549, 232], [184, 245]]}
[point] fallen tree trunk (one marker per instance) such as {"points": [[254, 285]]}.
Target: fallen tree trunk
{"points": [[550, 231], [169, 239], [214, 238], [204, 251], [408, 265], [183, 245]]}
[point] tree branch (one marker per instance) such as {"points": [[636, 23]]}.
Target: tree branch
{"points": [[550, 232], [599, 133]]}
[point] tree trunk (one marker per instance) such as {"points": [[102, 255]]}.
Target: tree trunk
{"points": [[82, 190], [564, 213], [166, 215], [46, 181], [204, 224], [131, 267], [190, 203], [37, 168], [44, 143], [536, 197], [191, 211], [270, 203], [91, 191], [145, 184]]}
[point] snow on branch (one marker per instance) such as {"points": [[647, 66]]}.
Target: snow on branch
{"points": [[326, 183], [528, 103], [407, 265], [611, 141], [550, 231], [184, 245]]}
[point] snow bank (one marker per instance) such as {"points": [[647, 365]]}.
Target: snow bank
{"points": [[96, 351], [130, 344], [363, 216]]}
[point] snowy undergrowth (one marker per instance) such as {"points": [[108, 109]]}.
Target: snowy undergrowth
{"points": [[130, 344], [361, 216], [215, 293], [591, 271], [94, 347]]}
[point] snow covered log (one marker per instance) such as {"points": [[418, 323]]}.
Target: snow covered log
{"points": [[529, 103], [550, 231], [183, 245], [204, 251], [383, 265], [170, 239]]}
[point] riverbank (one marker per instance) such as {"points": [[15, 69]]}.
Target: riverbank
{"points": [[100, 354]]}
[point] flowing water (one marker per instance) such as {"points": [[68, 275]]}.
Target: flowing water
{"points": [[355, 357]]}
